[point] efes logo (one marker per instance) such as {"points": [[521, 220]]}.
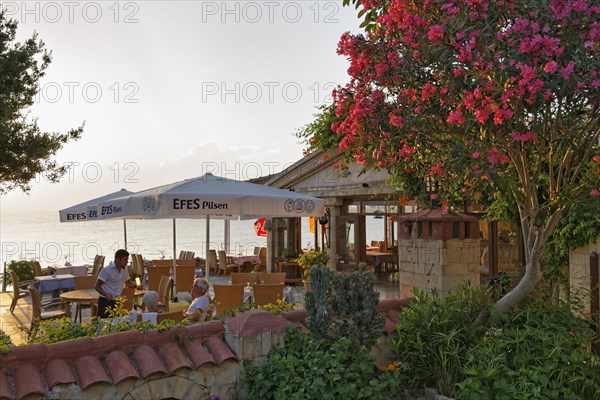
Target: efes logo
{"points": [[299, 205], [289, 205], [149, 204]]}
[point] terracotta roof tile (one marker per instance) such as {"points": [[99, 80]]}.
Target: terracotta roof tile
{"points": [[5, 390], [58, 372], [198, 354], [148, 361], [174, 357], [119, 366], [28, 380], [219, 350], [90, 371]]}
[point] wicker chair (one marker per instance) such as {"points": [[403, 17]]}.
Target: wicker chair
{"points": [[37, 313], [165, 288], [271, 278], [83, 282], [244, 278], [225, 267], [19, 289], [228, 297], [267, 293], [154, 275]]}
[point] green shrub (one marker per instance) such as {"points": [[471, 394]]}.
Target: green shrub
{"points": [[5, 343], [538, 352], [343, 305], [435, 334], [58, 330], [23, 269], [308, 368]]}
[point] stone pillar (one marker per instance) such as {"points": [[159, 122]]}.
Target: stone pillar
{"points": [[332, 251]]}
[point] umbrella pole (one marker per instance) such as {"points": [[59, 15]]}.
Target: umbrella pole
{"points": [[125, 232], [207, 272], [227, 235], [174, 259]]}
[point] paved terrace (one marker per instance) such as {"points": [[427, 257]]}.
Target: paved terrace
{"points": [[9, 323]]}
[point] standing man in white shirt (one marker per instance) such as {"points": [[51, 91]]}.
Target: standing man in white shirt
{"points": [[111, 281]]}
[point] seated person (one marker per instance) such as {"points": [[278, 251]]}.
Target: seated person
{"points": [[150, 307], [200, 304]]}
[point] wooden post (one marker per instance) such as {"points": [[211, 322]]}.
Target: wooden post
{"points": [[595, 293], [493, 248]]}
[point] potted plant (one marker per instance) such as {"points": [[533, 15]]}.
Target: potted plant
{"points": [[308, 259]]}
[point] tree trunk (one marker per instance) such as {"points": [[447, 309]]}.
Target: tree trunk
{"points": [[534, 238], [527, 285]]}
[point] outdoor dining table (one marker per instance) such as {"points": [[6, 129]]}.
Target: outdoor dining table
{"points": [[51, 283], [85, 296], [77, 270], [244, 261], [287, 295]]}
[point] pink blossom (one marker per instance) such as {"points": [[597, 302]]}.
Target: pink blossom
{"points": [[594, 192], [596, 158], [568, 70], [428, 90], [432, 196], [436, 33], [476, 155], [456, 117], [551, 67], [396, 119]]}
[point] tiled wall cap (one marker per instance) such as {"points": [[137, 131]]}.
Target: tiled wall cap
{"points": [[58, 372], [297, 316], [198, 354], [5, 390], [148, 361], [90, 371], [205, 329], [70, 349], [120, 367], [174, 357], [22, 355], [219, 350], [254, 322], [28, 381]]}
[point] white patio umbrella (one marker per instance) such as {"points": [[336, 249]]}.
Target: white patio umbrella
{"points": [[211, 196], [88, 210]]}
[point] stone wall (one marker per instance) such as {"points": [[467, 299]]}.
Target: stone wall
{"points": [[441, 264], [579, 268], [187, 362]]}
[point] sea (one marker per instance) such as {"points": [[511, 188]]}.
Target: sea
{"points": [[40, 236]]}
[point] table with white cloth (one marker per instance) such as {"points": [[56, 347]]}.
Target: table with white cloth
{"points": [[378, 258], [51, 283], [244, 261], [287, 296], [77, 270]]}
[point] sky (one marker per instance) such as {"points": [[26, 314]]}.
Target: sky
{"points": [[170, 90]]}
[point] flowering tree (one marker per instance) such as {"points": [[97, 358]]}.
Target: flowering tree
{"points": [[485, 97]]}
